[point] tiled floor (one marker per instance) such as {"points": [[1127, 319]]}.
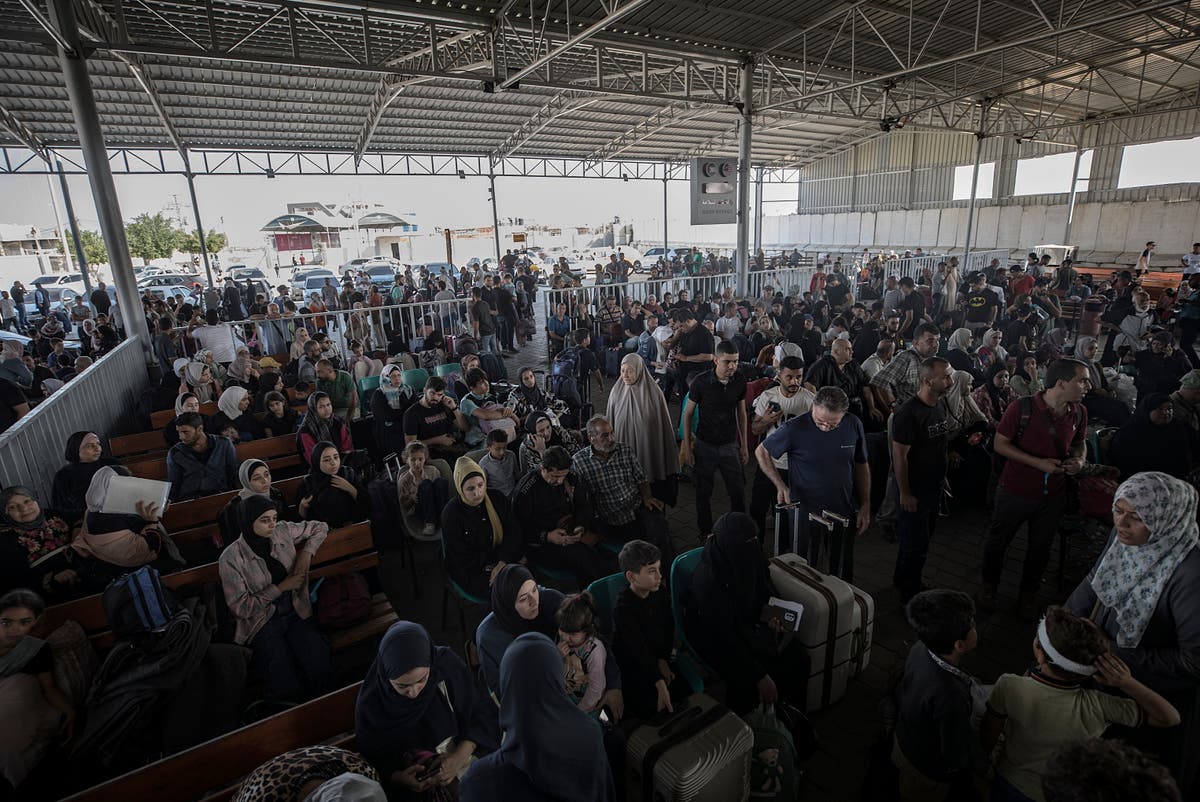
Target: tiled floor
{"points": [[848, 728]]}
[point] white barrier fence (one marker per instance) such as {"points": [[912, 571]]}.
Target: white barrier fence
{"points": [[102, 399]]}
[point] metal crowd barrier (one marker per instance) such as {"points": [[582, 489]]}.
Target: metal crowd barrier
{"points": [[102, 399], [374, 326]]}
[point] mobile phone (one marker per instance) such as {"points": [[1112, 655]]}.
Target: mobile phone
{"points": [[430, 770], [773, 406]]}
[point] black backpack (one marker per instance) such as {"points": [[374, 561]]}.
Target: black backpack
{"points": [[137, 603]]}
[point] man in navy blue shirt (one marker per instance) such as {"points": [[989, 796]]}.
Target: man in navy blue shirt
{"points": [[827, 470]]}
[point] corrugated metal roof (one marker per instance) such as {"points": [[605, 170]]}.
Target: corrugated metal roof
{"points": [[408, 75]]}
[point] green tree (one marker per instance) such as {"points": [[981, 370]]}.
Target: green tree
{"points": [[189, 241], [151, 237], [93, 248]]}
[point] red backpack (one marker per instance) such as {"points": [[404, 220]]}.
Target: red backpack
{"points": [[343, 601]]}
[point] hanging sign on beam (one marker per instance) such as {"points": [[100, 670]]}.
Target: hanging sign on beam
{"points": [[714, 191]]}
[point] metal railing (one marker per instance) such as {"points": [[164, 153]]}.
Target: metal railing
{"points": [[374, 326], [102, 399]]}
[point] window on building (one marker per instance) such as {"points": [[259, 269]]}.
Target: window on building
{"points": [[1045, 175], [962, 180], [1176, 161]]}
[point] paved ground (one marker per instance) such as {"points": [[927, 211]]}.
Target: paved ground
{"points": [[848, 728]]}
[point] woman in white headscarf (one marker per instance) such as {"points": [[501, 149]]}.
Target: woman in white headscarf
{"points": [[990, 351], [388, 405], [233, 418], [199, 380], [1145, 594], [639, 417], [12, 367], [959, 354], [1101, 401], [968, 427]]}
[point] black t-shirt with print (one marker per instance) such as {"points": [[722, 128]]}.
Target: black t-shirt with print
{"points": [[924, 429], [980, 305], [428, 423]]}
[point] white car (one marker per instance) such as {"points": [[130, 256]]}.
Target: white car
{"points": [[300, 278]]}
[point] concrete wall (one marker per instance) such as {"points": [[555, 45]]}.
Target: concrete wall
{"points": [[1105, 232]]}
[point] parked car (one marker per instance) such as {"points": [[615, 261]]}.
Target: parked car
{"points": [[437, 269], [652, 255], [300, 278], [71, 345], [380, 273], [311, 284], [242, 272], [54, 279]]}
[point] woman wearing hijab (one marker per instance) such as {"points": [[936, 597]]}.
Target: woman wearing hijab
{"points": [[479, 532], [722, 619], [111, 543], [264, 575], [85, 454], [543, 432], [639, 416], [243, 369], [966, 448], [1153, 440], [527, 397], [184, 402], [990, 351], [960, 355], [205, 357], [12, 367], [417, 696], [1145, 594], [200, 381], [388, 405], [35, 547], [1025, 380], [321, 425], [552, 751], [330, 491], [296, 352], [313, 774], [1101, 402], [233, 418], [254, 475], [994, 395]]}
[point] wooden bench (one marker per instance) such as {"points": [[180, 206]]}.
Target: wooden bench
{"points": [[183, 515], [278, 452], [214, 770], [350, 548], [131, 445], [162, 417]]}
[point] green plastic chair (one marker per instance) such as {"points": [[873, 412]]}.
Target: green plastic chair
{"points": [[604, 591], [690, 665], [415, 378], [461, 597], [367, 386], [446, 370]]}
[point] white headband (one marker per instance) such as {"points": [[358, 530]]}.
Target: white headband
{"points": [[1056, 657]]}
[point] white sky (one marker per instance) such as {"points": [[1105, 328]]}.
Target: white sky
{"points": [[239, 205]]}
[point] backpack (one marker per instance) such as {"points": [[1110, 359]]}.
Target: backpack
{"points": [[137, 603], [774, 773], [343, 600], [566, 366]]}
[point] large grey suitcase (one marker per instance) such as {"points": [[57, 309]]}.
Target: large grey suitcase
{"points": [[699, 753], [836, 626]]}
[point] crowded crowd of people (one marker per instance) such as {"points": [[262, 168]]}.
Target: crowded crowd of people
{"points": [[885, 400]]}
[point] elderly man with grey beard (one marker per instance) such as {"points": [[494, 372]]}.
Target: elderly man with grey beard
{"points": [[623, 506]]}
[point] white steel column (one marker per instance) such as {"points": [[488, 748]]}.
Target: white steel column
{"points": [[104, 192], [745, 141], [758, 210], [971, 208], [1074, 187]]}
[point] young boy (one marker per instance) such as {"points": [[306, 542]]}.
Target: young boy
{"points": [[422, 489], [1047, 708], [933, 749], [480, 405], [499, 464], [644, 633]]}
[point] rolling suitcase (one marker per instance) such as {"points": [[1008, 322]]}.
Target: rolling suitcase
{"points": [[700, 752], [835, 628]]}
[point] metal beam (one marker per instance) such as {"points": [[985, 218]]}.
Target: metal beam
{"points": [[22, 134], [596, 27], [745, 144], [945, 61]]}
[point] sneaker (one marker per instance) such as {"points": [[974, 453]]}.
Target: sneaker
{"points": [[428, 529], [985, 598]]}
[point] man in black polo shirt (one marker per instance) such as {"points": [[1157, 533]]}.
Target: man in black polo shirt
{"points": [[719, 442], [695, 345]]}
